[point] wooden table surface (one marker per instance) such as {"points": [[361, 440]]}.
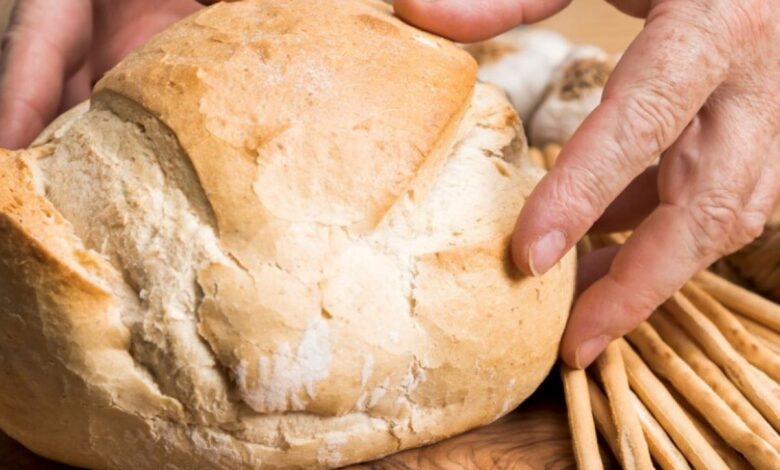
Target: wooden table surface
{"points": [[535, 436]]}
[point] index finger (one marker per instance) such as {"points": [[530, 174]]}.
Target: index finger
{"points": [[659, 85]]}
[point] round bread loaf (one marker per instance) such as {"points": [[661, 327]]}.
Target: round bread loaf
{"points": [[278, 238]]}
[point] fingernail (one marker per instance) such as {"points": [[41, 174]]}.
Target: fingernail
{"points": [[546, 251], [589, 350]]}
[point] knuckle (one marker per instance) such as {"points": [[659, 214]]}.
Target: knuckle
{"points": [[641, 302], [650, 119], [645, 302], [582, 195], [751, 225], [712, 217]]}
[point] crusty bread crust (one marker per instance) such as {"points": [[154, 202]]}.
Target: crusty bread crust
{"points": [[278, 239]]}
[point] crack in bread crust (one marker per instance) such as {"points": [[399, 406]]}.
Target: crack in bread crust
{"points": [[137, 216]]}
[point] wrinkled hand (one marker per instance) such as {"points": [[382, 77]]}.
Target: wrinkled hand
{"points": [[700, 87], [54, 51]]}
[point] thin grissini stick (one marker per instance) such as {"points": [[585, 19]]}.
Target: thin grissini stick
{"points": [[687, 349], [583, 429], [747, 345], [767, 336], [601, 415], [615, 238], [634, 453], [663, 450], [666, 363], [537, 157], [669, 413], [741, 300], [733, 459], [762, 391], [551, 152]]}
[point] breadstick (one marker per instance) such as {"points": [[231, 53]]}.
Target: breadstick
{"points": [[663, 450], [601, 414], [733, 459], [634, 453], [762, 391], [669, 413], [687, 349], [747, 345], [665, 362], [741, 300], [551, 152], [583, 430], [767, 336], [537, 157], [615, 238]]}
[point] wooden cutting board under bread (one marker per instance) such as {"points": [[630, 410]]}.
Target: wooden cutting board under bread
{"points": [[536, 434]]}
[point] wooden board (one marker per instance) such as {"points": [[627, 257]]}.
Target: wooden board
{"points": [[535, 436]]}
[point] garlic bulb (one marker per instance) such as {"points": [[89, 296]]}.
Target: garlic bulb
{"points": [[574, 91], [521, 62]]}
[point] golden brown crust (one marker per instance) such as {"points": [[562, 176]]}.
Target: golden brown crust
{"points": [[264, 105]]}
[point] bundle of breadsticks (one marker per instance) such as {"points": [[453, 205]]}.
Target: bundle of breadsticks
{"points": [[698, 384], [695, 386]]}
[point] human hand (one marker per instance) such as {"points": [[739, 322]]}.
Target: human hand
{"points": [[54, 51], [700, 87]]}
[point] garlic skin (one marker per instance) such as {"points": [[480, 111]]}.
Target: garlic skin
{"points": [[521, 62], [574, 91]]}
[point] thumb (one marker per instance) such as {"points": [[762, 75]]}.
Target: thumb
{"points": [[46, 41], [474, 20]]}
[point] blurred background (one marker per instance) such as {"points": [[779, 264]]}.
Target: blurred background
{"points": [[5, 12], [595, 22]]}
